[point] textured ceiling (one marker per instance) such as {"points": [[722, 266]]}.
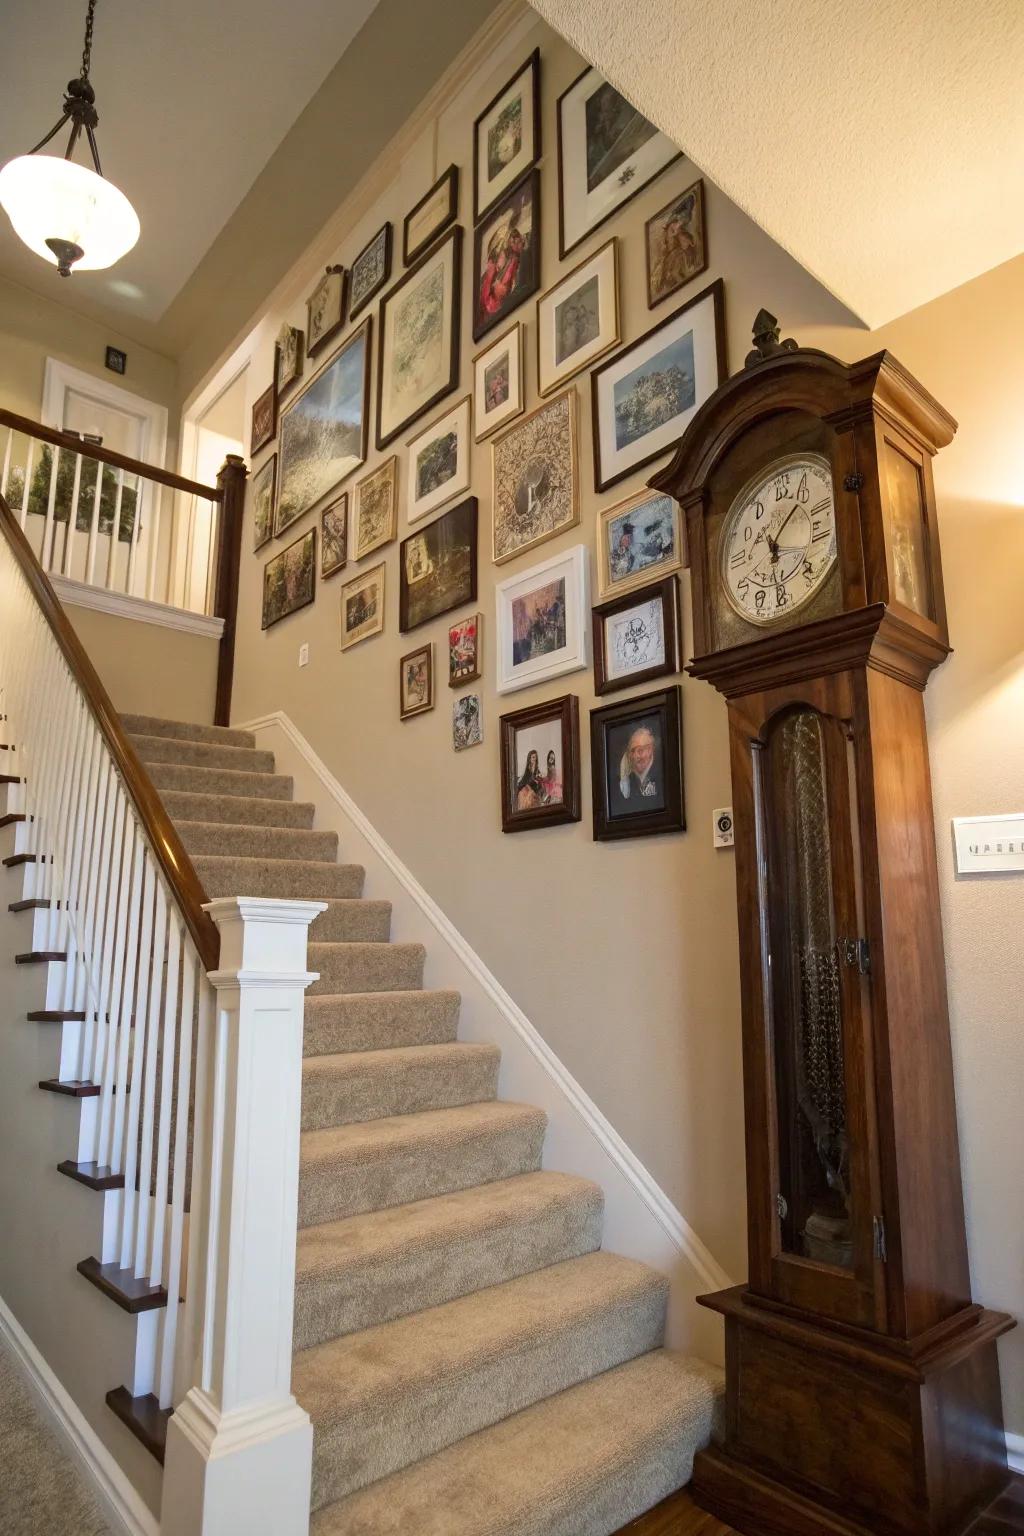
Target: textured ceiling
{"points": [[881, 143]]}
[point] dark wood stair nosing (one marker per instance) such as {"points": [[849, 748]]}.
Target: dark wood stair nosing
{"points": [[17, 859], [33, 904], [9, 778], [71, 1088], [123, 1287], [40, 957], [55, 1016], [98, 1178], [12, 818], [143, 1417]]}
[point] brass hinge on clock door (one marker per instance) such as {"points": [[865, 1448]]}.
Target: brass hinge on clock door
{"points": [[878, 1226], [855, 952]]}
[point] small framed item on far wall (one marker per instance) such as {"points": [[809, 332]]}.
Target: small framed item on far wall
{"points": [[334, 536], [636, 751], [499, 391], [435, 210], [464, 642], [506, 136], [325, 310], [264, 419], [416, 682]]}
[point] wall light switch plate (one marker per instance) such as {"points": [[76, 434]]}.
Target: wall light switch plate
{"points": [[725, 832], [304, 655], [988, 845]]}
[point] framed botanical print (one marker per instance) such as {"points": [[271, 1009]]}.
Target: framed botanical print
{"points": [[464, 640], [376, 508], [418, 354], [262, 491], [416, 682], [290, 357], [543, 618], [498, 388], [506, 136], [467, 722], [370, 271], [289, 579], [334, 537], [638, 540], [433, 213], [437, 566], [264, 419], [578, 319], [324, 429], [506, 255], [676, 244], [325, 310], [439, 462], [607, 153], [535, 491], [362, 607], [646, 395], [636, 752], [540, 765], [636, 636]]}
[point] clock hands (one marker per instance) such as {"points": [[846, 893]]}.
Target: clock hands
{"points": [[773, 544]]}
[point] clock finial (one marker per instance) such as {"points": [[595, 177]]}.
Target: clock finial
{"points": [[766, 340]]}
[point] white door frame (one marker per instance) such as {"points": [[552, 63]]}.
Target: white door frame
{"points": [[59, 377]]}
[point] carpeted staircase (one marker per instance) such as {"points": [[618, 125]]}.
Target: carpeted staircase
{"points": [[473, 1363]]}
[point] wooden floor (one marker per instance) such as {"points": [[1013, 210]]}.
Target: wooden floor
{"points": [[680, 1516]]}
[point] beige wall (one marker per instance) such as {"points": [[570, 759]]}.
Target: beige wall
{"points": [[624, 956], [148, 669]]}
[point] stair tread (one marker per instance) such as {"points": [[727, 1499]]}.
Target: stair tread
{"points": [[369, 1141], [580, 1463], [231, 839], [194, 778], [348, 1087], [376, 1020], [353, 1063], [249, 810], [185, 730], [203, 754], [351, 918], [295, 879]]}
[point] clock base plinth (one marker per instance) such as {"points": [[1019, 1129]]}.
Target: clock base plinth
{"points": [[835, 1432]]}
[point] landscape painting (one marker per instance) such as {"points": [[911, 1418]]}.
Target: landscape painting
{"points": [[439, 463], [418, 360], [289, 579], [362, 607], [661, 388], [262, 492], [323, 431], [437, 568]]}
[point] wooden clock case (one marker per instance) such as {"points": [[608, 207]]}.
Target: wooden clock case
{"points": [[862, 1398]]}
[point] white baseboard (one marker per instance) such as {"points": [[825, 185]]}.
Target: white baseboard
{"points": [[640, 1184], [1015, 1452], [123, 1507]]}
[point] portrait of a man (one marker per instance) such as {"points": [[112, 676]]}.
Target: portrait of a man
{"points": [[635, 777], [637, 755]]}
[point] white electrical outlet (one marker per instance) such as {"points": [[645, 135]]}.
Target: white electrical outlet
{"points": [[304, 655], [725, 832]]}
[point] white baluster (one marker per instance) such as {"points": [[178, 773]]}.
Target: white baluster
{"points": [[29, 462], [115, 535], [5, 471], [94, 528], [149, 1084]]}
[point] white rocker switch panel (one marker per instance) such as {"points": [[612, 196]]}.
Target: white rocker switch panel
{"points": [[989, 845]]}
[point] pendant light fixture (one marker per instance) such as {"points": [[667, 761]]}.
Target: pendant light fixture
{"points": [[65, 212]]}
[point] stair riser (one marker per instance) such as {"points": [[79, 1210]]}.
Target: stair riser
{"points": [[215, 735], [378, 1022], [354, 1452], [398, 1177], [157, 749], [367, 922], [370, 1095], [342, 1302], [290, 880], [247, 842], [221, 781], [366, 968], [243, 810]]}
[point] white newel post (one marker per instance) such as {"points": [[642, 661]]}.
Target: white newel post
{"points": [[239, 1448]]}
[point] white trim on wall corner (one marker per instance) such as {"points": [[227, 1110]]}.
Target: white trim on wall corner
{"points": [[124, 1508], [710, 1273], [123, 606], [1015, 1452]]}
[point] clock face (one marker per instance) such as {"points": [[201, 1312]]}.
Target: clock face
{"points": [[779, 538]]}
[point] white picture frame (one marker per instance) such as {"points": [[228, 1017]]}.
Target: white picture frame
{"points": [[499, 392], [531, 597], [578, 319], [439, 462]]}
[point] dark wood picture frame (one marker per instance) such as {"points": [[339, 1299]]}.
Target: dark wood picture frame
{"points": [[451, 176], [259, 407], [671, 817], [313, 348], [465, 510], [531, 66], [333, 506], [418, 709], [668, 591], [717, 292], [697, 188], [567, 710], [531, 282], [310, 534], [455, 359], [563, 249], [365, 329], [284, 385], [267, 468], [371, 293]]}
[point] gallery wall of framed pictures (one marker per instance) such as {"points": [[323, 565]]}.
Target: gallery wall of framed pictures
{"points": [[467, 403]]}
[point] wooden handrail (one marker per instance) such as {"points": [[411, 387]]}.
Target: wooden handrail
{"points": [[76, 444], [167, 846]]}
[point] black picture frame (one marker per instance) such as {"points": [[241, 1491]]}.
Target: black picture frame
{"points": [[531, 66], [307, 597], [611, 822], [452, 380], [451, 213], [434, 543], [530, 283], [565, 710], [371, 293], [314, 348], [264, 408], [667, 592]]}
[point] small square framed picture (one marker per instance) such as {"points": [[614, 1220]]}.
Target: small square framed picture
{"points": [[416, 682], [676, 244], [376, 508], [362, 607], [638, 540], [325, 310], [506, 136], [636, 636], [498, 390], [264, 419], [467, 722], [464, 654], [439, 462], [435, 210], [636, 750], [263, 484], [540, 765], [334, 536], [578, 319], [370, 271], [543, 621], [290, 357]]}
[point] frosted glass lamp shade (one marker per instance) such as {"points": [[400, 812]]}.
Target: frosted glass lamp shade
{"points": [[47, 199]]}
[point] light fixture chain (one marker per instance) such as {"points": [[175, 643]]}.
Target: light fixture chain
{"points": [[87, 50]]}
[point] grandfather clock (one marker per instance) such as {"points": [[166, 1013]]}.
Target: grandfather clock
{"points": [[862, 1382]]}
